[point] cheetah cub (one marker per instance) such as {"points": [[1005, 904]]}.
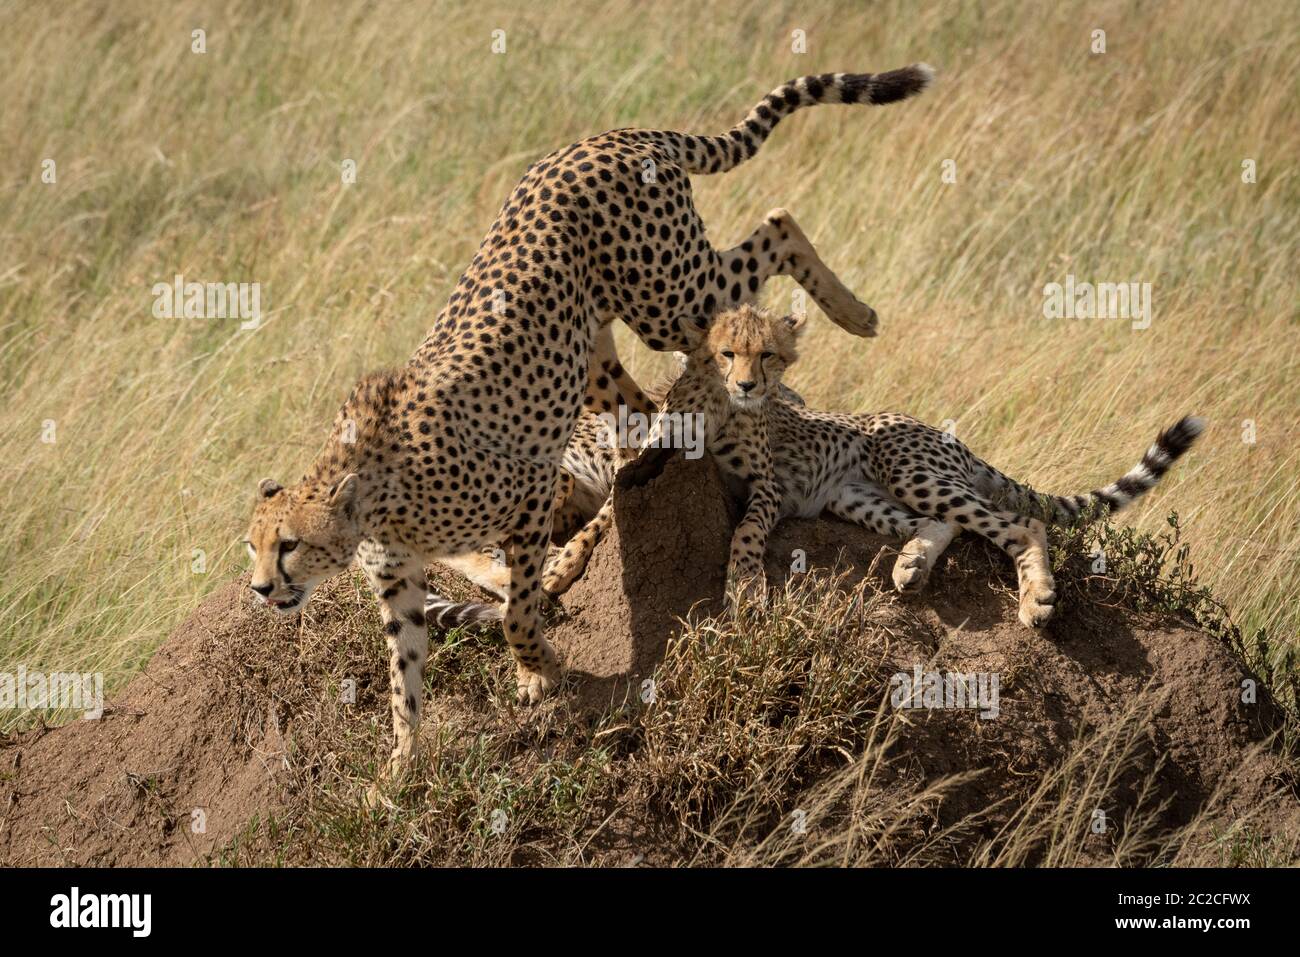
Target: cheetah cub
{"points": [[885, 471]]}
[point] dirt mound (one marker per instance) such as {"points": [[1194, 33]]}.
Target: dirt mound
{"points": [[1195, 728], [215, 744], [622, 612], [174, 769]]}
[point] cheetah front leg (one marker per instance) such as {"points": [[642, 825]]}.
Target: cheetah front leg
{"points": [[745, 573], [779, 248], [488, 567], [537, 668], [572, 561], [573, 558], [664, 435], [398, 582]]}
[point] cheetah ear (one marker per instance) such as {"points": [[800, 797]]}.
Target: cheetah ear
{"points": [[796, 322], [343, 496], [268, 487]]}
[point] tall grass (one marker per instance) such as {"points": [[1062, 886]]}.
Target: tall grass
{"points": [[226, 166]]}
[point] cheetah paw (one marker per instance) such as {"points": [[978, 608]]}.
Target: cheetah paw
{"points": [[911, 572], [749, 587], [533, 686], [374, 797], [1037, 602], [853, 316], [557, 585], [393, 774]]}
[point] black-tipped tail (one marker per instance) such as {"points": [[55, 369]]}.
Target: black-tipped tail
{"points": [[717, 154], [1168, 447], [881, 88]]}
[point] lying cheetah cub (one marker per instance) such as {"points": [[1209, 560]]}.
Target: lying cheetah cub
{"points": [[887, 471]]}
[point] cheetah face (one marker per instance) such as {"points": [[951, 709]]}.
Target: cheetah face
{"points": [[751, 350], [298, 538]]}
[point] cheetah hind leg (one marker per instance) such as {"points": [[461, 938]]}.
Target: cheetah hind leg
{"points": [[609, 385], [1024, 539], [1037, 586], [867, 505], [779, 248], [566, 519]]}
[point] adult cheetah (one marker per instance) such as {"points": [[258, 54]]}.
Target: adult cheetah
{"points": [[587, 471], [461, 446], [888, 472]]}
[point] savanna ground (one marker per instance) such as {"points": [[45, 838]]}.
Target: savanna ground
{"points": [[131, 444]]}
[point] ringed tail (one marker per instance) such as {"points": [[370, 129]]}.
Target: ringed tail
{"points": [[1169, 446], [446, 613], [717, 154]]}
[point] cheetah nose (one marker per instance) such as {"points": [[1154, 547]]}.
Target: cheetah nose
{"points": [[262, 590], [746, 386]]}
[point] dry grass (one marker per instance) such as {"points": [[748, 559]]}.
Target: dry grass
{"points": [[225, 166], [768, 742]]}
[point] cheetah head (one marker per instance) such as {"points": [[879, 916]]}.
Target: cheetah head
{"points": [[751, 349], [299, 537]]}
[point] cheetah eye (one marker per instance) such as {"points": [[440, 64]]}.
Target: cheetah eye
{"points": [[288, 545], [766, 355], [728, 354]]}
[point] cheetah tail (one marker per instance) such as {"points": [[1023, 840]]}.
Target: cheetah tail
{"points": [[717, 154], [1168, 447], [445, 613]]}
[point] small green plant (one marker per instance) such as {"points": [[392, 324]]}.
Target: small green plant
{"points": [[1154, 572]]}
